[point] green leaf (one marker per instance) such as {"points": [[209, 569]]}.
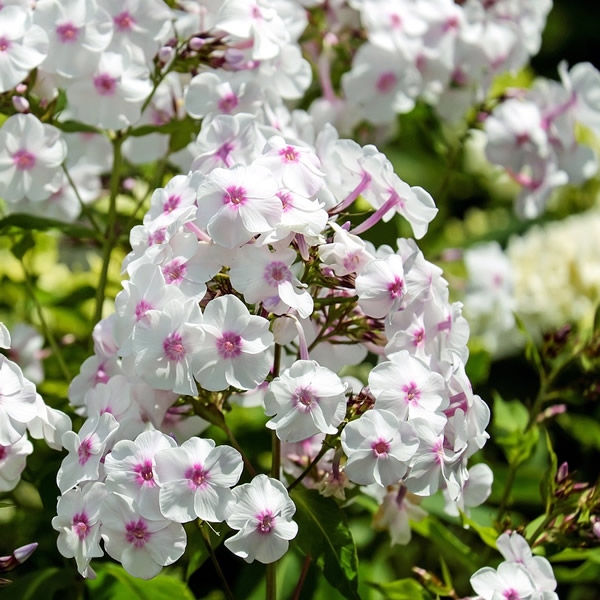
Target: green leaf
{"points": [[75, 127], [548, 483], [23, 245], [402, 589], [43, 583], [488, 535], [30, 222], [114, 583], [509, 426], [583, 429], [323, 534]]}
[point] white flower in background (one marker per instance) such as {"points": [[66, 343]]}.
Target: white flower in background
{"points": [[111, 97], [304, 400], [262, 513], [23, 46], [31, 153], [4, 336], [78, 31]]}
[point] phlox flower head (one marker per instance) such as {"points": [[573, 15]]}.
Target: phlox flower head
{"points": [[13, 458], [262, 513], [195, 480], [304, 400]]}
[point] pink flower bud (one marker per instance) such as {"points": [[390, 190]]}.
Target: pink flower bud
{"points": [[21, 104], [166, 54], [196, 43]]}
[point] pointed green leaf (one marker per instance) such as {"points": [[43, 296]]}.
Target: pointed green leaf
{"points": [[31, 222], [323, 534], [114, 583], [403, 589]]}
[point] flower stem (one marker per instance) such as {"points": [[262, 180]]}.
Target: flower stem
{"points": [[308, 467], [226, 589], [110, 234], [303, 574]]}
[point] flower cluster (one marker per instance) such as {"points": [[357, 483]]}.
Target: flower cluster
{"points": [[533, 135], [423, 50], [521, 576], [548, 276], [247, 281]]}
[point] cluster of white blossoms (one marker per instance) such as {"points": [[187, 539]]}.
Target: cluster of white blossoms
{"points": [[533, 135], [521, 576], [549, 277], [22, 411], [424, 50], [247, 281]]}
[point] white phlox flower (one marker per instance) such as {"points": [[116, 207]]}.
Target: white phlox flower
{"points": [[304, 400], [235, 347], [195, 480], [271, 278], [31, 153], [13, 458], [86, 450], [262, 513], [143, 545], [78, 522], [130, 470], [379, 447]]}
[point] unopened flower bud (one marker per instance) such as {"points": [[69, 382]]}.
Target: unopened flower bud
{"points": [[596, 528], [196, 43], [166, 54], [20, 104], [21, 88], [562, 472]]}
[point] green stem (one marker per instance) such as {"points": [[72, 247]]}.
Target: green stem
{"points": [[110, 235], [47, 331], [510, 480], [237, 446], [215, 562], [84, 207], [308, 468]]}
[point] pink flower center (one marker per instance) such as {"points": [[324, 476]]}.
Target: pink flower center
{"points": [[224, 151], [171, 203], [4, 44], [395, 20], [418, 337], [229, 345], [351, 261], [276, 272], [124, 21], [80, 525], [227, 103], [105, 84], [286, 200], [396, 288], [386, 82], [411, 393], [380, 448], [173, 347], [101, 375], [145, 474], [266, 522], [451, 23], [67, 33], [3, 452], [141, 308], [304, 399], [235, 195], [511, 594], [197, 475], [438, 450], [23, 160], [158, 237], [137, 533], [288, 154], [174, 271], [85, 451]]}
